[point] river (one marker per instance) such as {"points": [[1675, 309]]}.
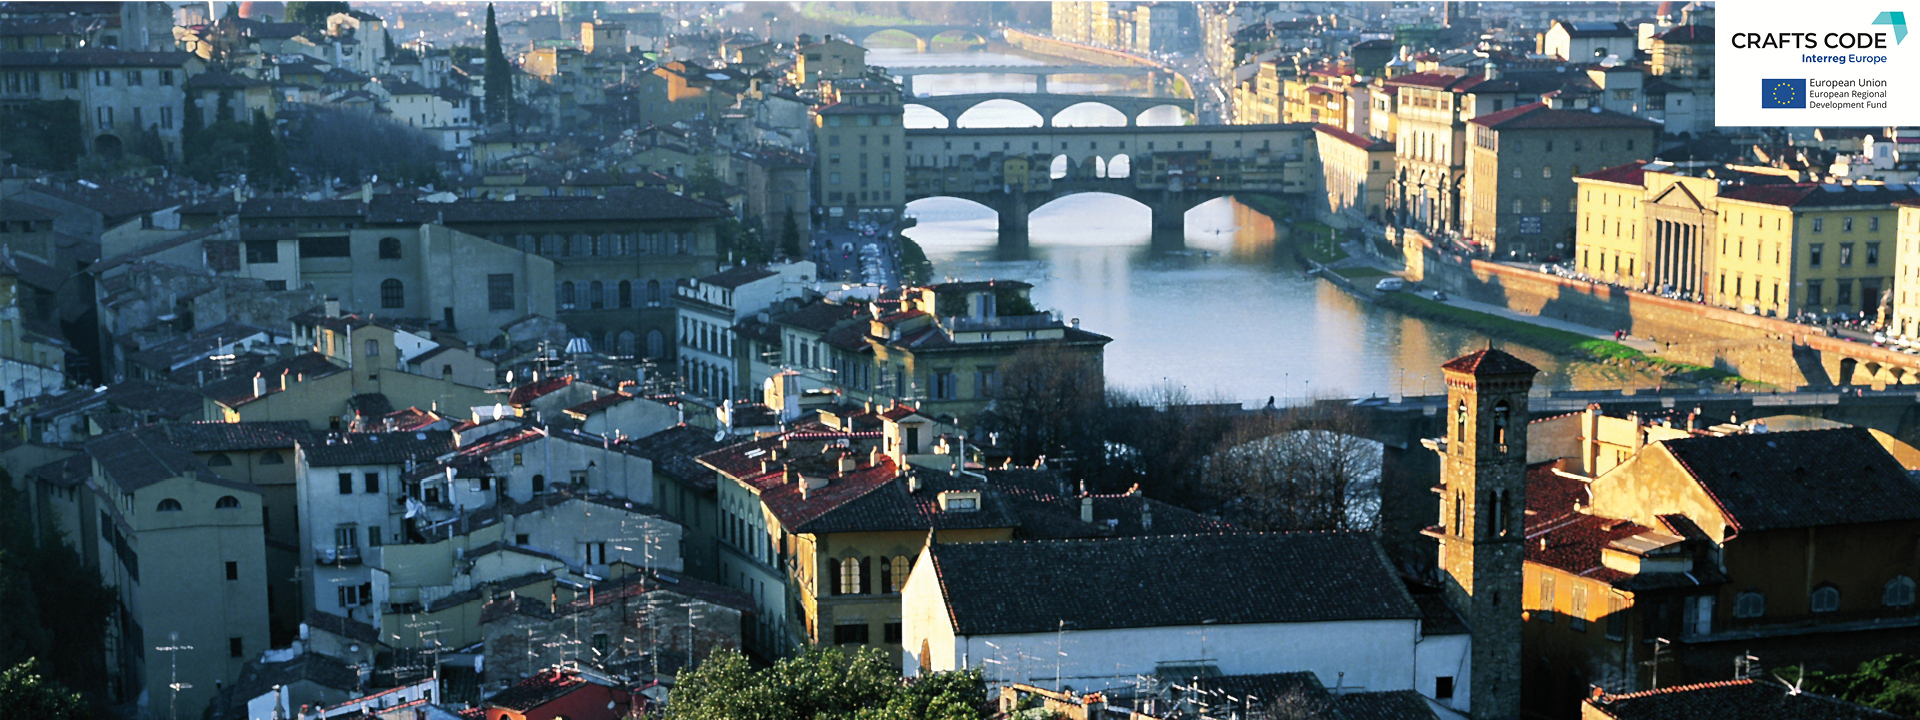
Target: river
{"points": [[1222, 313]]}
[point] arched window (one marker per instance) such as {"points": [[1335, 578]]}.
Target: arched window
{"points": [[626, 293], [653, 291], [897, 572], [272, 458], [1826, 598], [389, 248], [1501, 412], [1460, 422], [596, 295], [656, 343], [625, 343], [849, 577], [219, 460], [539, 483], [1899, 592], [1750, 604], [566, 295], [393, 294], [170, 505], [227, 502]]}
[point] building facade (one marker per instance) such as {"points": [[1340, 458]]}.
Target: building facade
{"points": [[1521, 165]]}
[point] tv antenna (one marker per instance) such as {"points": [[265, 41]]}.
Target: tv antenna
{"points": [[173, 655]]}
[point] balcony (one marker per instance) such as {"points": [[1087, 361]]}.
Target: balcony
{"points": [[337, 555]]}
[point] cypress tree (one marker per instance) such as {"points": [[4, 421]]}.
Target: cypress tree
{"points": [[499, 75]]}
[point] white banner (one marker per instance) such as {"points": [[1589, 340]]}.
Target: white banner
{"points": [[1836, 63]]}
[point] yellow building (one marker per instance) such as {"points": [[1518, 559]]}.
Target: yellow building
{"points": [[833, 59], [820, 525], [1771, 249], [1357, 171], [1906, 281], [858, 131], [1258, 101]]}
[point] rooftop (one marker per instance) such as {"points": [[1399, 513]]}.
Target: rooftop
{"points": [[1168, 581], [1731, 700], [1810, 478]]}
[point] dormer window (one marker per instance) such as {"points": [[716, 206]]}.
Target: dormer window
{"points": [[952, 501]]}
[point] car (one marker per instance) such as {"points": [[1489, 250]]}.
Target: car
{"points": [[1392, 284]]}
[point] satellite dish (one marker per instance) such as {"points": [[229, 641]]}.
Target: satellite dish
{"points": [[719, 435]]}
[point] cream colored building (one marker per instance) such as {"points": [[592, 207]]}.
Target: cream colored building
{"points": [[1906, 281], [1357, 171]]}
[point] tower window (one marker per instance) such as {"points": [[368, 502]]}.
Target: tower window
{"points": [[1501, 412], [1460, 422]]}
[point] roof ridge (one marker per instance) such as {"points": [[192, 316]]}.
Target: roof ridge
{"points": [[1680, 688]]}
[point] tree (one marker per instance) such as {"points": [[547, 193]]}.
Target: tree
{"points": [[1159, 439], [387, 39], [1050, 402], [498, 82], [790, 236], [1309, 468], [24, 693], [328, 142], [43, 134], [223, 112], [266, 154], [915, 268], [1890, 683], [56, 609], [314, 14], [823, 683]]}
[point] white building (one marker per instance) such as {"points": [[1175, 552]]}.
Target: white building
{"points": [[709, 307], [352, 499], [1079, 613]]}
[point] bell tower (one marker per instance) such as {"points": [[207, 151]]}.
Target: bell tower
{"points": [[1482, 490]]}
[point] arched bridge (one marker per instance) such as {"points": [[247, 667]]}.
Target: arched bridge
{"points": [[1170, 169], [1160, 78], [1050, 105], [923, 35]]}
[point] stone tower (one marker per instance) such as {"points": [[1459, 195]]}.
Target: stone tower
{"points": [[1482, 509]]}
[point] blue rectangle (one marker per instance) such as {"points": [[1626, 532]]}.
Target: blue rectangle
{"points": [[1783, 93]]}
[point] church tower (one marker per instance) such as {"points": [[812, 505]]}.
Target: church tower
{"points": [[1482, 508]]}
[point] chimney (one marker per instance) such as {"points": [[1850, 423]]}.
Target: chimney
{"points": [[874, 455], [259, 385], [366, 192], [283, 381], [1086, 509], [913, 483], [848, 463], [1492, 70]]}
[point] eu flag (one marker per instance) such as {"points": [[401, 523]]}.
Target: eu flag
{"points": [[1783, 93]]}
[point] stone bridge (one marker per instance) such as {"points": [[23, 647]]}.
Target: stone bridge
{"points": [[923, 35], [1050, 105], [1162, 81], [1170, 169]]}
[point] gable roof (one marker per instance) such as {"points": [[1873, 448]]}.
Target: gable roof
{"points": [[1809, 478], [1538, 116], [673, 452], [225, 436], [136, 458], [1168, 581], [375, 448], [1633, 173]]}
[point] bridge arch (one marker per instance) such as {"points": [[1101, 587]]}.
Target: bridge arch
{"points": [[919, 117], [1148, 116], [979, 115], [894, 37], [967, 36], [1093, 115], [1121, 166]]}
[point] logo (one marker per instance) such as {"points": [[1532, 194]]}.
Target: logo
{"points": [[1783, 93], [1899, 22]]}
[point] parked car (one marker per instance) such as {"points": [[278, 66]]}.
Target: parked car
{"points": [[1392, 284]]}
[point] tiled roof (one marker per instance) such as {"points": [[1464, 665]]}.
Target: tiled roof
{"points": [[1538, 116], [1168, 581], [1360, 141], [223, 436], [1633, 173], [73, 470], [1731, 700], [542, 688], [891, 507], [600, 403], [238, 390], [1814, 195], [343, 626], [375, 448], [1436, 616], [1384, 705], [535, 390], [1491, 361], [673, 452], [136, 458], [736, 276], [818, 317], [1809, 478]]}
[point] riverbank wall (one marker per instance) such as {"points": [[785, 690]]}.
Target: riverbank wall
{"points": [[1760, 348]]}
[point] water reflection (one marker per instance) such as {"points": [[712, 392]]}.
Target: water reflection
{"points": [[1219, 309]]}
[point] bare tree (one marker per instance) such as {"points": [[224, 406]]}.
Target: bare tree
{"points": [[1049, 402], [1159, 438], [1310, 468]]}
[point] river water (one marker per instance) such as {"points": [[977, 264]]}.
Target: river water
{"points": [[1222, 312]]}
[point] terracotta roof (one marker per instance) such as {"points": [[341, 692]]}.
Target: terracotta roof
{"points": [[600, 403], [1810, 478], [1360, 141], [1633, 173], [535, 390], [542, 688], [1537, 116], [1488, 362], [238, 390], [1731, 700], [1228, 579], [736, 276]]}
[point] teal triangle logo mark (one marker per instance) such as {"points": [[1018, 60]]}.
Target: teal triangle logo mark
{"points": [[1899, 22]]}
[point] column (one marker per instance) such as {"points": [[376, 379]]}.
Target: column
{"points": [[1040, 84]]}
